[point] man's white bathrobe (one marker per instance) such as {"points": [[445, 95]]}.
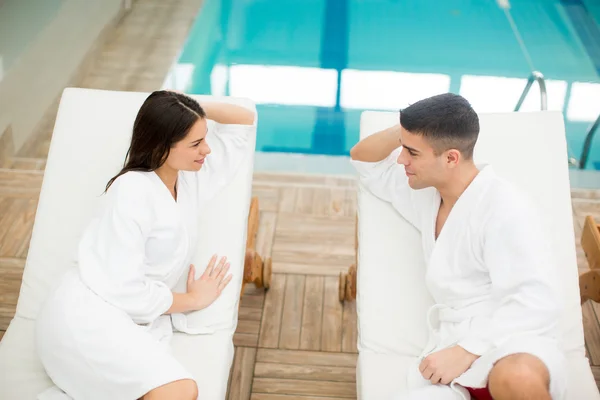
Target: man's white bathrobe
{"points": [[488, 272], [103, 333]]}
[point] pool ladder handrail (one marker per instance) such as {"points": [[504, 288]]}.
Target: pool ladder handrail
{"points": [[536, 76], [587, 144]]}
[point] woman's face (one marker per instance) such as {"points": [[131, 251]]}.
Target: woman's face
{"points": [[189, 153]]}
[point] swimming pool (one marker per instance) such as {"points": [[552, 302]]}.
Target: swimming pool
{"points": [[314, 65]]}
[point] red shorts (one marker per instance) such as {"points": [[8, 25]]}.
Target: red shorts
{"points": [[480, 393]]}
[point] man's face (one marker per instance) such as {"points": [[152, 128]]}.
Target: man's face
{"points": [[423, 167]]}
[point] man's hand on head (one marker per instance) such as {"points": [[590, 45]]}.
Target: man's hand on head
{"points": [[446, 365]]}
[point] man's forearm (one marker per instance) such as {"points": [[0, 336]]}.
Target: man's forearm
{"points": [[377, 146], [224, 113]]}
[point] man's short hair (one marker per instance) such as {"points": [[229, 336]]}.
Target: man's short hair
{"points": [[447, 121]]}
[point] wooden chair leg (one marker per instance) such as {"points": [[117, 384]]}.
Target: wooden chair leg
{"points": [[253, 217], [589, 286], [589, 282], [590, 242], [347, 285], [342, 287], [256, 270], [347, 281]]}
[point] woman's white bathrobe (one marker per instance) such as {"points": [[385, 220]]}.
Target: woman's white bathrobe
{"points": [[103, 333], [489, 272]]}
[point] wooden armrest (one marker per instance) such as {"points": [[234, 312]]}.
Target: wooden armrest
{"points": [[256, 270], [590, 242]]}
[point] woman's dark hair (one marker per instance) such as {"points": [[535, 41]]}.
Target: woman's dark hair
{"points": [[164, 119], [446, 120]]}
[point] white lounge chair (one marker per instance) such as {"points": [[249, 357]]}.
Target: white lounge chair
{"points": [[530, 150], [91, 137]]}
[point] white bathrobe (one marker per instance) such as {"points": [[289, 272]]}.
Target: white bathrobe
{"points": [[103, 334], [489, 272]]}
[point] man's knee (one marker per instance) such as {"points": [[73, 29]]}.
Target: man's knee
{"points": [[190, 389], [519, 374]]}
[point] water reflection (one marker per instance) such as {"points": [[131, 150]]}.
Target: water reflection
{"points": [[500, 94], [301, 110], [388, 90], [284, 85], [585, 102]]}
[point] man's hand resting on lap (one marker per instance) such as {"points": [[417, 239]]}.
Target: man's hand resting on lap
{"points": [[446, 365]]}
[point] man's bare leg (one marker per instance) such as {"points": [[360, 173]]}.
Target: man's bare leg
{"points": [[185, 389], [520, 377]]}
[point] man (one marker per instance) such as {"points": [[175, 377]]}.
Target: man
{"points": [[493, 329]]}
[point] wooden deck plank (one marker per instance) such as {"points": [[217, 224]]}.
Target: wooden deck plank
{"points": [[21, 177], [291, 322], [266, 233], [252, 314], [252, 290], [287, 199], [584, 208], [596, 372], [11, 273], [242, 373], [37, 164], [337, 200], [10, 209], [313, 269], [16, 225], [252, 301], [267, 396], [345, 390], [305, 372], [305, 201], [321, 201], [330, 243], [22, 232], [248, 326], [7, 313], [249, 317], [268, 197], [312, 313], [16, 228], [350, 201], [303, 357], [271, 321], [331, 336], [251, 308], [349, 328], [245, 339]]}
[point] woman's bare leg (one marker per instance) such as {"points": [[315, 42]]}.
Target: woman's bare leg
{"points": [[185, 389]]}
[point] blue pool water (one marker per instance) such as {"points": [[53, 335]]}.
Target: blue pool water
{"points": [[314, 65]]}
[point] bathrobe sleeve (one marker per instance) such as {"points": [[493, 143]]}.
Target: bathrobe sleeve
{"points": [[112, 256], [229, 147], [523, 279], [387, 180]]}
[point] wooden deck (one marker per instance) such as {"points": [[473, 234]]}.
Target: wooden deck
{"points": [[297, 341]]}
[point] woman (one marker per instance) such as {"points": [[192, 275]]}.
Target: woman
{"points": [[103, 334]]}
